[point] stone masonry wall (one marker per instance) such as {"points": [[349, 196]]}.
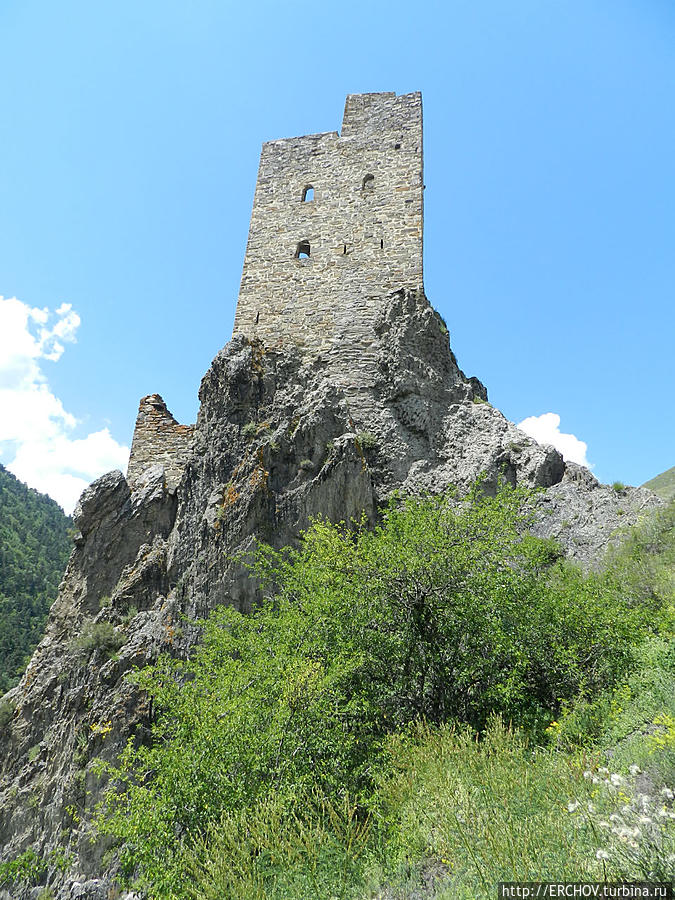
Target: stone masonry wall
{"points": [[363, 226], [158, 441]]}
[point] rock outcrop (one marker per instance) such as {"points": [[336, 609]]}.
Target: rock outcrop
{"points": [[277, 442]]}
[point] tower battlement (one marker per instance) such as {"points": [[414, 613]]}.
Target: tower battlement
{"points": [[337, 223]]}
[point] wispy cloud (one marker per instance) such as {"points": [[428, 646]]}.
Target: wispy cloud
{"points": [[545, 429], [37, 440]]}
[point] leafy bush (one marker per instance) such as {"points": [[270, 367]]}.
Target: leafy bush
{"points": [[29, 868], [250, 430], [619, 487], [7, 710], [444, 611], [33, 753], [99, 636], [130, 613], [367, 441]]}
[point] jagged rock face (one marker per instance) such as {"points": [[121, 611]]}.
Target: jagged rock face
{"points": [[585, 517], [276, 443]]}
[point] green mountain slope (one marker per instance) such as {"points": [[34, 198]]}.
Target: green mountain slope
{"points": [[34, 549], [663, 484]]}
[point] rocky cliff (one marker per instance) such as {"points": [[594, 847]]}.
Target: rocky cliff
{"points": [[276, 442]]}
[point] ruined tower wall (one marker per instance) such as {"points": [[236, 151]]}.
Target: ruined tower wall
{"points": [[365, 239], [159, 440]]}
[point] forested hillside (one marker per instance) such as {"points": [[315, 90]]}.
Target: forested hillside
{"points": [[34, 548]]}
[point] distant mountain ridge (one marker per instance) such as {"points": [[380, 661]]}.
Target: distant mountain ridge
{"points": [[663, 485], [34, 550]]}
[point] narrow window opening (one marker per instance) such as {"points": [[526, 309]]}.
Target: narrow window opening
{"points": [[302, 250], [308, 194], [344, 248], [397, 146], [257, 317], [368, 183], [381, 244]]}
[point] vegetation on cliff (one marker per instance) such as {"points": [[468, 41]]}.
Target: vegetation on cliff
{"points": [[351, 732], [34, 548]]}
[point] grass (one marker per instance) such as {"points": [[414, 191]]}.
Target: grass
{"points": [[312, 850], [452, 816], [497, 810], [663, 484]]}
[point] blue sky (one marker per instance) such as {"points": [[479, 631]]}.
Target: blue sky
{"points": [[130, 140]]}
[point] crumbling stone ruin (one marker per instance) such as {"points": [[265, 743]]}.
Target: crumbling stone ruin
{"points": [[158, 440], [338, 386]]}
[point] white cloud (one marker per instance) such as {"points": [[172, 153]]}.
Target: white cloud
{"points": [[545, 429], [34, 425]]}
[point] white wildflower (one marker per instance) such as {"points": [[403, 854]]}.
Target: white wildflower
{"points": [[588, 774], [595, 779], [601, 854], [645, 820], [591, 807], [573, 807], [603, 771], [667, 793], [616, 818], [616, 779]]}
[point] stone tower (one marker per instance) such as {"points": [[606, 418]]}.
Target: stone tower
{"points": [[336, 226]]}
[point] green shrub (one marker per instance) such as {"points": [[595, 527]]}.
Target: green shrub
{"points": [[306, 465], [29, 868], [130, 613], [33, 753], [99, 636], [250, 430], [367, 441], [310, 849], [7, 710], [619, 487], [444, 611]]}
